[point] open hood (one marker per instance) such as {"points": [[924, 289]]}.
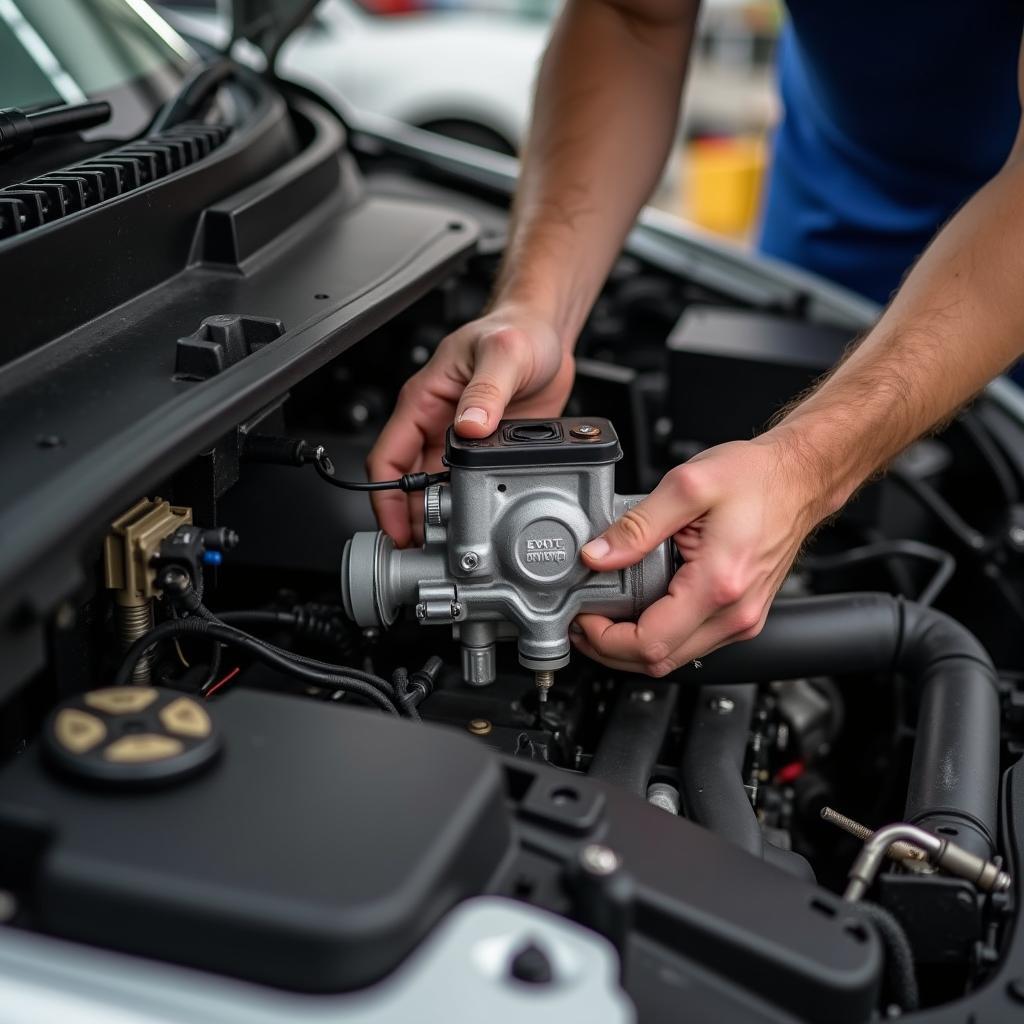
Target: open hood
{"points": [[266, 24]]}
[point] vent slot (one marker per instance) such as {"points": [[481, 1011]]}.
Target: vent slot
{"points": [[56, 194]]}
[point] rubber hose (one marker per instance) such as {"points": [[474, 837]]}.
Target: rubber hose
{"points": [[954, 775]]}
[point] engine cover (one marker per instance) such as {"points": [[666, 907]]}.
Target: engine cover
{"points": [[308, 856]]}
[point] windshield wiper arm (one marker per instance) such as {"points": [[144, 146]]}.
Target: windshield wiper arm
{"points": [[19, 130]]}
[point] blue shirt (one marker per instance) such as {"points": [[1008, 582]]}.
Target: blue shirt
{"points": [[896, 112]]}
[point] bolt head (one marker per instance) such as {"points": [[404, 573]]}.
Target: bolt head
{"points": [[598, 859], [479, 726], [586, 431], [421, 611], [722, 705], [469, 561]]}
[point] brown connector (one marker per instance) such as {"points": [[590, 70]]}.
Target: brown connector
{"points": [[128, 550]]}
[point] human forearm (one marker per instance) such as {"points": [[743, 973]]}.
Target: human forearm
{"points": [[604, 118], [957, 321], [740, 512]]}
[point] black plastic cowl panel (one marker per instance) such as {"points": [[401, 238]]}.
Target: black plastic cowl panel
{"points": [[98, 417], [73, 268]]}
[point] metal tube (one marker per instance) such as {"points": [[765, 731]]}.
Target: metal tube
{"points": [[983, 873]]}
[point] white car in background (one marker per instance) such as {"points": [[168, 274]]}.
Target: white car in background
{"points": [[466, 74]]}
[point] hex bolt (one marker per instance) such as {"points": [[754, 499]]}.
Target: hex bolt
{"points": [[722, 705], [469, 561], [598, 859]]}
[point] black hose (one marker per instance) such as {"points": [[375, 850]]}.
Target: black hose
{"points": [[890, 549], [344, 679], [634, 734], [711, 783], [954, 774], [900, 979]]}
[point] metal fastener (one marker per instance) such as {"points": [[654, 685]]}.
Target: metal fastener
{"points": [[898, 851], [479, 726], [644, 696], [722, 705], [586, 431], [598, 859], [421, 611], [543, 681], [662, 795], [469, 561]]}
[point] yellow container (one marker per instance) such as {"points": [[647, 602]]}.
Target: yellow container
{"points": [[722, 184]]}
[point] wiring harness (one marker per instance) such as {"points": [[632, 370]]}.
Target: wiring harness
{"points": [[192, 618]]}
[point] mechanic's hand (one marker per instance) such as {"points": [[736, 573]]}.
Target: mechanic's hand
{"points": [[509, 363], [739, 514]]}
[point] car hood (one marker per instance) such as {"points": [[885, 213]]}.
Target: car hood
{"points": [[266, 24]]}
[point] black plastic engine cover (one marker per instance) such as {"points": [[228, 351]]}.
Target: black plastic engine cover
{"points": [[313, 855]]}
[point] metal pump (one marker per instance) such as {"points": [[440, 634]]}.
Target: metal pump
{"points": [[501, 552]]}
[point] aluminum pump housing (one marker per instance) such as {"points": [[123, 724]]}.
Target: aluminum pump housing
{"points": [[500, 558]]}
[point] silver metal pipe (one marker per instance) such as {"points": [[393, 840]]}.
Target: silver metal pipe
{"points": [[985, 874]]}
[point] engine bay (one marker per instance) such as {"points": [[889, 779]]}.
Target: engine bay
{"points": [[256, 742]]}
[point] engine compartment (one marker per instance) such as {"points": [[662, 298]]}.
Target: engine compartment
{"points": [[330, 843]]}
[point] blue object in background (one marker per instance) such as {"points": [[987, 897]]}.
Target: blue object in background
{"points": [[896, 112]]}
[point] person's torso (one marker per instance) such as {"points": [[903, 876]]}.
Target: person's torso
{"points": [[895, 113]]}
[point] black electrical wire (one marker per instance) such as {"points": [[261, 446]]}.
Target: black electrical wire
{"points": [[302, 620], [184, 594], [974, 427], [900, 978], [382, 685], [945, 562], [408, 482], [348, 680], [929, 497], [293, 451]]}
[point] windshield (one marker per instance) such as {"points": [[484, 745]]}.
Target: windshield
{"points": [[67, 51]]}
